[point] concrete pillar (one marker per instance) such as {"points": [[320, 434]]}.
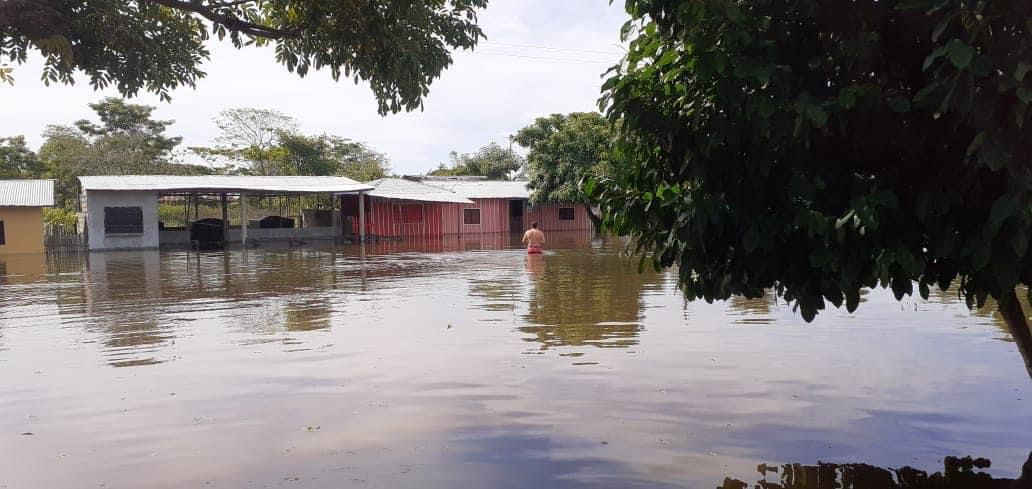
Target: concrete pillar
{"points": [[225, 220], [335, 217], [243, 219], [361, 217], [186, 214]]}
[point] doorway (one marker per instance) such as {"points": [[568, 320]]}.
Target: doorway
{"points": [[516, 212]]}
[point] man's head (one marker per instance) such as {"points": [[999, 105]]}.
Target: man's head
{"points": [[534, 225]]}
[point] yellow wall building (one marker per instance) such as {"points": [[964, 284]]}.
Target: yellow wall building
{"points": [[21, 215], [21, 230]]}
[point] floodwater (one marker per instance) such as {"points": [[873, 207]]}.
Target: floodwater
{"points": [[471, 365]]}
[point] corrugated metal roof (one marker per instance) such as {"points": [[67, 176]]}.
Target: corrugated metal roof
{"points": [[398, 188], [26, 193], [224, 183], [485, 189]]}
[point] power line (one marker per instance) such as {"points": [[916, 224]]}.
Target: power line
{"points": [[551, 48], [568, 60]]}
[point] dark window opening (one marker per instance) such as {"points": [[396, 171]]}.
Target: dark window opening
{"points": [[566, 214], [471, 216], [123, 220], [3, 234]]}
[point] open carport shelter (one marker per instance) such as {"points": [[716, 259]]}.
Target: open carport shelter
{"points": [[121, 212]]}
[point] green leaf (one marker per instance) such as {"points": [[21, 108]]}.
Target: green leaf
{"points": [[852, 299], [589, 187], [817, 115], [844, 219], [847, 98], [976, 143], [959, 53], [943, 24], [1019, 242], [938, 53], [1002, 208], [1025, 94], [899, 104], [1023, 68]]}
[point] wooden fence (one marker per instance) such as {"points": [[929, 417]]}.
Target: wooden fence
{"points": [[58, 236]]}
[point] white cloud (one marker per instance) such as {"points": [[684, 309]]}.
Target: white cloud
{"points": [[484, 96]]}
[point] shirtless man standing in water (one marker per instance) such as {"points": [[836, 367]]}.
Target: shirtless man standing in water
{"points": [[534, 239]]}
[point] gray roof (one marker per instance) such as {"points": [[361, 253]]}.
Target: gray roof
{"points": [[26, 193], [224, 183], [401, 189], [485, 189]]}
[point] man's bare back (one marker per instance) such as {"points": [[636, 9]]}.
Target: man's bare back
{"points": [[534, 238]]}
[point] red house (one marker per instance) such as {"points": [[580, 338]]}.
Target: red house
{"points": [[429, 206]]}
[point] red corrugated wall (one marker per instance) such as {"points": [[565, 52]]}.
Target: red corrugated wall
{"points": [[547, 217], [384, 217], [396, 218]]}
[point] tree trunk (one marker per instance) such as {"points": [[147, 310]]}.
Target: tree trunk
{"points": [[595, 220], [1017, 323]]}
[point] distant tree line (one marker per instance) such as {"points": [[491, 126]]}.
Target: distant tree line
{"points": [[126, 140]]}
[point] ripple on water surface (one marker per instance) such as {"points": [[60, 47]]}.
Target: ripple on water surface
{"points": [[469, 364]]}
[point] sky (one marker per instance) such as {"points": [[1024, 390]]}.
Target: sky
{"points": [[541, 57]]}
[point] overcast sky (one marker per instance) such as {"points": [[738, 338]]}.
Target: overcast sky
{"points": [[541, 57]]}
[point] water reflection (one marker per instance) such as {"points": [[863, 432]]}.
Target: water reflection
{"points": [[585, 299], [420, 364], [958, 473]]}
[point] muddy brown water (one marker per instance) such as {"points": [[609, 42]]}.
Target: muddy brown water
{"points": [[466, 364]]}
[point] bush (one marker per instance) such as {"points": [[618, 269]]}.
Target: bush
{"points": [[63, 217]]}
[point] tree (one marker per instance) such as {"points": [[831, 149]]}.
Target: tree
{"points": [[248, 135], [818, 148], [17, 160], [398, 47], [126, 141], [297, 154], [491, 161], [65, 155], [563, 151]]}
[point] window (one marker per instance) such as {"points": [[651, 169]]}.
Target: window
{"points": [[411, 213], [566, 214], [123, 220], [3, 235], [471, 216]]}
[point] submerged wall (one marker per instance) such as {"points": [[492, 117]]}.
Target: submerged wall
{"points": [[94, 203], [23, 230]]}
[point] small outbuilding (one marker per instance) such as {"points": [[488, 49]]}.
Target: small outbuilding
{"points": [[21, 214], [122, 212]]}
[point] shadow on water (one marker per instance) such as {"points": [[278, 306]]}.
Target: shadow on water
{"points": [[957, 473]]}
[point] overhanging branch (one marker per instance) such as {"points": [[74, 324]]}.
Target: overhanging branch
{"points": [[227, 20]]}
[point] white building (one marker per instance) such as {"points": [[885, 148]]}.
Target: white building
{"points": [[121, 212]]}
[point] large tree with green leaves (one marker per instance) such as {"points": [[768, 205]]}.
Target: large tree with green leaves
{"points": [[563, 150], [397, 46], [491, 161], [126, 140], [248, 136], [17, 160], [297, 154], [817, 148]]}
